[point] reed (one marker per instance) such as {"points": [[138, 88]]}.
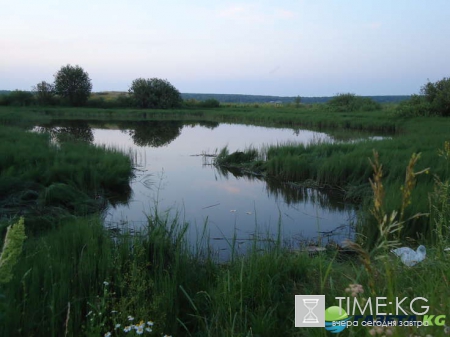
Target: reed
{"points": [[81, 279], [65, 273], [38, 178]]}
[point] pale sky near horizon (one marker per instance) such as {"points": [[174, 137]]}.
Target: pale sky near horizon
{"points": [[286, 48]]}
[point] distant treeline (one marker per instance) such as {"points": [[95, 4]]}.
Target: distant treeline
{"points": [[236, 98]]}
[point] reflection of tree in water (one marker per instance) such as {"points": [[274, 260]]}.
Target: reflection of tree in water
{"points": [[160, 133], [326, 198], [143, 133], [154, 133], [69, 130]]}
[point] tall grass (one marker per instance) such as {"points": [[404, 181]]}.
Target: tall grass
{"points": [[60, 276], [64, 280], [81, 280], [38, 178], [316, 116], [346, 166]]}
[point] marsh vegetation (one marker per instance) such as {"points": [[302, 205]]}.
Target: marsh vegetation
{"points": [[71, 269]]}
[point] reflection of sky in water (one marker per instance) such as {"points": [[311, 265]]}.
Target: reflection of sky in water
{"points": [[190, 187]]}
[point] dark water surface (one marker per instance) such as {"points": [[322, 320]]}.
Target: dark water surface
{"points": [[172, 175]]}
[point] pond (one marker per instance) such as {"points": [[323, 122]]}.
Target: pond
{"points": [[174, 175]]}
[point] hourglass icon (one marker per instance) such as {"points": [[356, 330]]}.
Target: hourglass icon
{"points": [[310, 304]]}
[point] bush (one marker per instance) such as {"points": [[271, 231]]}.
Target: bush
{"points": [[415, 106], [438, 96], [154, 93], [350, 102], [17, 98], [191, 103], [123, 101], [210, 103], [97, 102]]}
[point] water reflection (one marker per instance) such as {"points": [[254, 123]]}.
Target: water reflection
{"points": [[74, 130], [154, 133], [143, 133], [192, 188], [290, 193]]}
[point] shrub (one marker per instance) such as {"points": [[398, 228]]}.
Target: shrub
{"points": [[415, 106], [97, 102], [17, 98], [351, 102], [210, 103], [191, 103], [154, 93], [438, 96], [123, 101]]}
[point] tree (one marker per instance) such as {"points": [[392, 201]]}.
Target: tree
{"points": [[44, 93], [73, 84], [154, 93], [297, 101], [438, 96]]}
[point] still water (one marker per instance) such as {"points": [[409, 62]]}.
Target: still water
{"points": [[172, 175]]}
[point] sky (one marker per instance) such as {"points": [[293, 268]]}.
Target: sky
{"points": [[283, 47]]}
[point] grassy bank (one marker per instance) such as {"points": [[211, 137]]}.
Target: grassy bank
{"points": [[346, 165], [44, 181], [82, 280], [316, 116]]}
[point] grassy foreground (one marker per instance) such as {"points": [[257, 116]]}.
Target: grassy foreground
{"points": [[79, 279]]}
